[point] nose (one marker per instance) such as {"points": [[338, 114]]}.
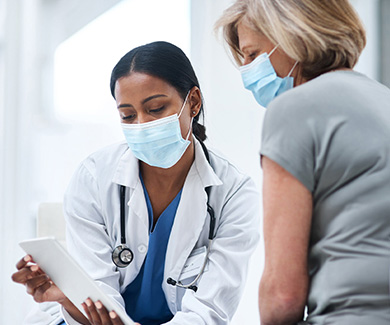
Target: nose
{"points": [[143, 118]]}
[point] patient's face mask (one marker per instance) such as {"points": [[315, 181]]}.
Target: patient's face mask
{"points": [[158, 143], [260, 78]]}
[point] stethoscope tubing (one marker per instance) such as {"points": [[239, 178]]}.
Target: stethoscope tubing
{"points": [[119, 249], [191, 285]]}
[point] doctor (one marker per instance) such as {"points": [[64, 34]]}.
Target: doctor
{"points": [[165, 226]]}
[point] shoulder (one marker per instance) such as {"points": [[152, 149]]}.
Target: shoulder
{"points": [[101, 165], [233, 179], [327, 93], [320, 103], [107, 157]]}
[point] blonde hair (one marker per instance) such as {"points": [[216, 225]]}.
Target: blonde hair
{"points": [[322, 35]]}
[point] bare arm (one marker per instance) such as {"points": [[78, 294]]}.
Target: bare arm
{"points": [[287, 221]]}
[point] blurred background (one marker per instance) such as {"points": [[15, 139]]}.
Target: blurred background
{"points": [[56, 57]]}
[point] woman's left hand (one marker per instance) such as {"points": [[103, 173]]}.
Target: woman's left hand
{"points": [[98, 314]]}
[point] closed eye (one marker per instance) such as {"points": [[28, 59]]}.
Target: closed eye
{"points": [[128, 117], [157, 110], [253, 55]]}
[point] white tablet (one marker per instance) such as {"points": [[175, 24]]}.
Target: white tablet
{"points": [[67, 274]]}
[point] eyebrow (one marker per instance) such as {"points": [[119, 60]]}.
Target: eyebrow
{"points": [[144, 101], [246, 47]]}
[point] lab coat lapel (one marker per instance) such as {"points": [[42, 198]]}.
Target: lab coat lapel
{"points": [[189, 221], [137, 219], [127, 174]]}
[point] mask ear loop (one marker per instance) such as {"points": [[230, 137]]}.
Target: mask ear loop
{"points": [[190, 129], [273, 50], [292, 69], [192, 118], [295, 64], [184, 104]]}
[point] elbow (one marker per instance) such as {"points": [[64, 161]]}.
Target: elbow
{"points": [[279, 306]]}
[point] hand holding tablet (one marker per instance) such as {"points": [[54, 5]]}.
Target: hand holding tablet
{"points": [[70, 278]]}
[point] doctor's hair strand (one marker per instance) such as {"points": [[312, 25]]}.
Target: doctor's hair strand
{"points": [[167, 62]]}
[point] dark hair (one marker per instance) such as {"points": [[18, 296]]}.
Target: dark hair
{"points": [[167, 62]]}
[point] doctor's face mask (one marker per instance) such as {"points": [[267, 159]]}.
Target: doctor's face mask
{"points": [[158, 143]]}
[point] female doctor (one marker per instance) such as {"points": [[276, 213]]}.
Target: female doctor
{"points": [[138, 213]]}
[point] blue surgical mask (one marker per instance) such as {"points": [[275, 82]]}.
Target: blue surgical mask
{"points": [[260, 78], [158, 143]]}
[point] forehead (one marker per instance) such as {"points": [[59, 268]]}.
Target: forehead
{"points": [[141, 84]]}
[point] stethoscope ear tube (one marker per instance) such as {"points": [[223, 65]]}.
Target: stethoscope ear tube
{"points": [[212, 221], [122, 191], [122, 256]]}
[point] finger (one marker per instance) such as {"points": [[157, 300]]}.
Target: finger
{"points": [[26, 273], [95, 318], [40, 294], [115, 318], [39, 288], [103, 313], [21, 276], [87, 311], [36, 269], [36, 282], [23, 262]]}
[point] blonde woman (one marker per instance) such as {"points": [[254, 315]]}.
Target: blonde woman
{"points": [[326, 160]]}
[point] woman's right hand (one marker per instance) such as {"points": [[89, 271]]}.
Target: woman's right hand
{"points": [[37, 282]]}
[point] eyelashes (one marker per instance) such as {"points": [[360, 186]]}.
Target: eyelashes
{"points": [[155, 111]]}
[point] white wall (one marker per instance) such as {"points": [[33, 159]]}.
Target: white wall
{"points": [[38, 153], [15, 152], [369, 61]]}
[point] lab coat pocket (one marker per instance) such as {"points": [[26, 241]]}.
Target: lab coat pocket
{"points": [[194, 264]]}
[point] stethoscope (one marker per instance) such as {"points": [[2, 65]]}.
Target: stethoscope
{"points": [[122, 255]]}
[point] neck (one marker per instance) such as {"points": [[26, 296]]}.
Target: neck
{"points": [[169, 178], [298, 79]]}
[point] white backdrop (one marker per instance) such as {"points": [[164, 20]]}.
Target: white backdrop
{"points": [[40, 148]]}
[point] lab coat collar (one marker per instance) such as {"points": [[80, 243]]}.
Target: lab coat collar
{"points": [[202, 168], [127, 171]]}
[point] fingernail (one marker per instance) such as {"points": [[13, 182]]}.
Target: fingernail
{"points": [[27, 258], [88, 302], [98, 305], [34, 268], [112, 314]]}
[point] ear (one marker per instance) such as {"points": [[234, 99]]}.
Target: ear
{"points": [[195, 101]]}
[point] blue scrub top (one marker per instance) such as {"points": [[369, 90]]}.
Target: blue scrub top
{"points": [[144, 298]]}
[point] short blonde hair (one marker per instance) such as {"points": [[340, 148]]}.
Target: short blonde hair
{"points": [[322, 35]]}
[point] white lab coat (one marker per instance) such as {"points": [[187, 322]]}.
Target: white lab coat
{"points": [[92, 212]]}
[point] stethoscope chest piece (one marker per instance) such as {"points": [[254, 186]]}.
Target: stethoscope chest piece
{"points": [[122, 256]]}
